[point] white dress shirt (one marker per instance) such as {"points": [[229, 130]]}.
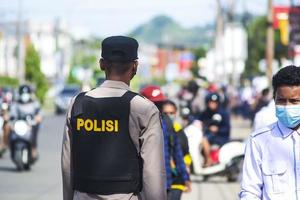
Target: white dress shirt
{"points": [[272, 164]]}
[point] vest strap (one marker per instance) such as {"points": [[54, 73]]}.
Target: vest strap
{"points": [[77, 106]]}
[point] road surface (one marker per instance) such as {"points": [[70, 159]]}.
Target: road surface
{"points": [[43, 182]]}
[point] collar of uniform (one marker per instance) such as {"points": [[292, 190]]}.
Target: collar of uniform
{"points": [[115, 84], [285, 131]]}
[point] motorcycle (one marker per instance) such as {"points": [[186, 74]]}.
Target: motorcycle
{"points": [[228, 159], [21, 142]]}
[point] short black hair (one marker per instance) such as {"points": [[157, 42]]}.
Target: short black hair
{"points": [[287, 76], [169, 102], [118, 67]]}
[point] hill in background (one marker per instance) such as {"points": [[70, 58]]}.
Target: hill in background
{"points": [[165, 31]]}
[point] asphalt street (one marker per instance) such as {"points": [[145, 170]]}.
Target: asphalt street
{"points": [[43, 182]]}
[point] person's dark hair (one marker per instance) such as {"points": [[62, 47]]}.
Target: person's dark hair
{"points": [[287, 76], [192, 86], [169, 102], [118, 67], [265, 91], [159, 105]]}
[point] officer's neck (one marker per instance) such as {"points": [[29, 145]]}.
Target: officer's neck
{"points": [[113, 77]]}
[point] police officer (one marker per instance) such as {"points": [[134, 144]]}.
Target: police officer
{"points": [[113, 141]]}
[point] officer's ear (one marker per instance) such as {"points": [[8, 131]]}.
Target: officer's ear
{"points": [[135, 65], [102, 64], [134, 68]]}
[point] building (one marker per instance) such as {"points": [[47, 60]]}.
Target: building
{"points": [[51, 40], [225, 62]]}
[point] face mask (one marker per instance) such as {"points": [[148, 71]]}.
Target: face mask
{"points": [[172, 117], [25, 97], [288, 115]]}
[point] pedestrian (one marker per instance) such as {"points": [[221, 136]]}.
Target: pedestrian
{"points": [[113, 140], [174, 163], [271, 165], [169, 108], [262, 101]]}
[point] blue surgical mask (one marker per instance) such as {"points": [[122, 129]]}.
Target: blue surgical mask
{"points": [[172, 117], [288, 115]]}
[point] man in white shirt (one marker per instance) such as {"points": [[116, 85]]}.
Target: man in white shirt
{"points": [[272, 158]]}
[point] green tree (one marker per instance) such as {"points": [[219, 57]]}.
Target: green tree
{"points": [[85, 55], [257, 31], [33, 72], [6, 81]]}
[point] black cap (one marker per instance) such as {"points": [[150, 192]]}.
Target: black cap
{"points": [[119, 48]]}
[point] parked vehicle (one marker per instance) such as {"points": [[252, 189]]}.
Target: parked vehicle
{"points": [[228, 159], [21, 141], [64, 98]]}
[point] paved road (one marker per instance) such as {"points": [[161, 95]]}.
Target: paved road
{"points": [[43, 182]]}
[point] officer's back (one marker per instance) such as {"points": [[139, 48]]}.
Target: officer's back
{"points": [[117, 143]]}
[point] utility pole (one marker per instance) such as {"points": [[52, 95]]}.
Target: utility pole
{"points": [[234, 78], [220, 21], [218, 46], [20, 61], [270, 42]]}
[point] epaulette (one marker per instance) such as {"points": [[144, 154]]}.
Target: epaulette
{"points": [[260, 131]]}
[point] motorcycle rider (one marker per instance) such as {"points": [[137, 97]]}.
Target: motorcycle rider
{"points": [[27, 105], [216, 125]]}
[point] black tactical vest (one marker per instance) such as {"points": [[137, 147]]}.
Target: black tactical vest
{"points": [[104, 157]]}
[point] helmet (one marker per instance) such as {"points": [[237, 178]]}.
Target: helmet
{"points": [[25, 93], [212, 97], [25, 89], [153, 93]]}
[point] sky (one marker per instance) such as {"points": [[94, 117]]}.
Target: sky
{"points": [[114, 17]]}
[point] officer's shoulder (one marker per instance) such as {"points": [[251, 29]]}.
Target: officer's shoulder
{"points": [[142, 103], [263, 131], [139, 99]]}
